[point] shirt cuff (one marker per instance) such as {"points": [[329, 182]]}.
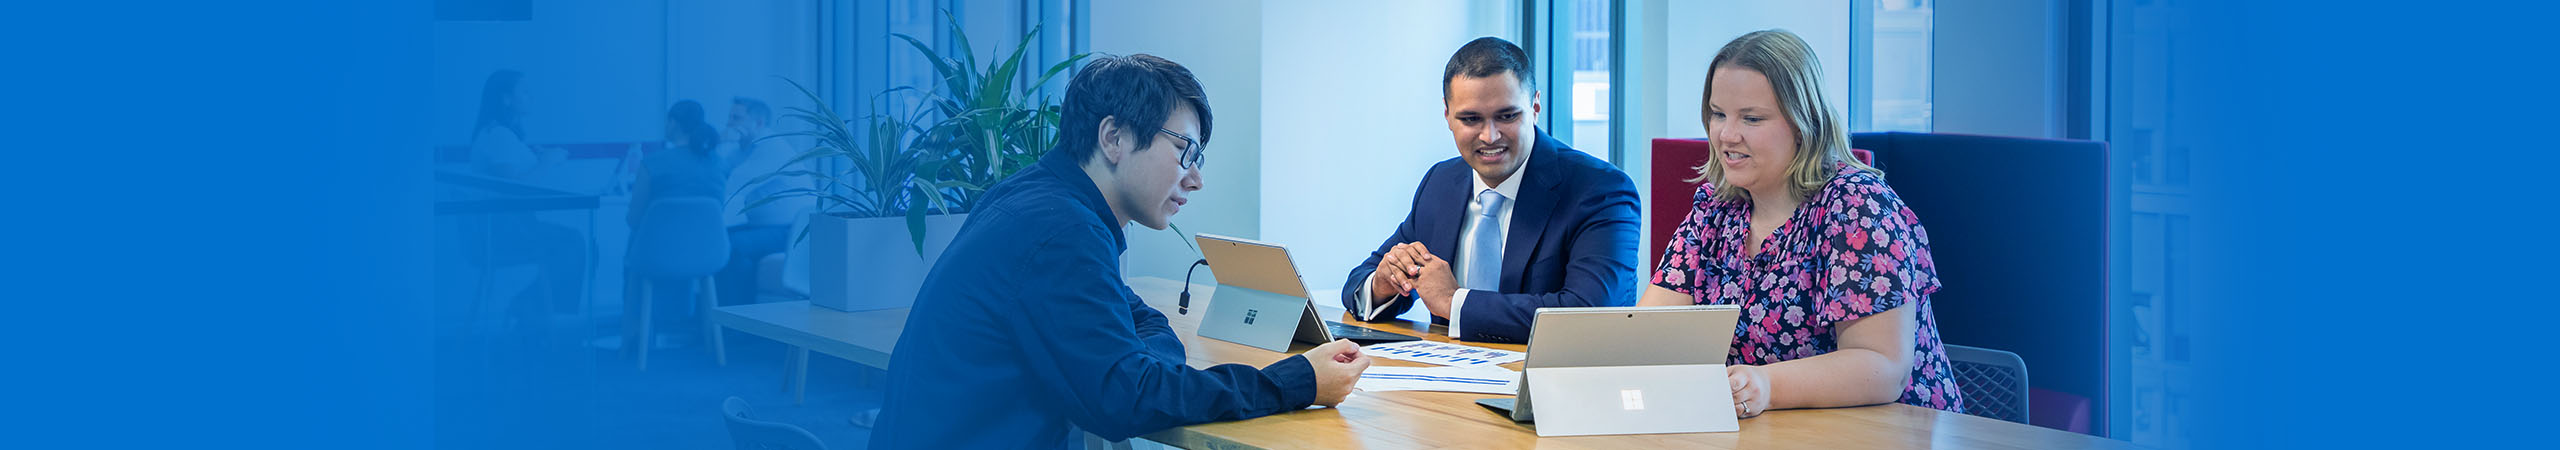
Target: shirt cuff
{"points": [[1457, 303], [1369, 308], [1296, 379]]}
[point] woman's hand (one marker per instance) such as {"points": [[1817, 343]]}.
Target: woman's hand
{"points": [[1750, 389]]}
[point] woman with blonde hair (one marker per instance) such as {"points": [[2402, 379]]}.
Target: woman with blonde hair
{"points": [[1831, 270]]}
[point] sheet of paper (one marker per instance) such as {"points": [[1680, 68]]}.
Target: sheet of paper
{"points": [[1444, 353], [1482, 380]]}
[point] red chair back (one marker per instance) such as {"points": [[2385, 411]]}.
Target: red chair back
{"points": [[1675, 161]]}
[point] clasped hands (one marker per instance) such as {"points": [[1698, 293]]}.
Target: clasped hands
{"points": [[1410, 267]]}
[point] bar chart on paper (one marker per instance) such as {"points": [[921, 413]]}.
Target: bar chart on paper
{"points": [[1443, 353], [1481, 380]]}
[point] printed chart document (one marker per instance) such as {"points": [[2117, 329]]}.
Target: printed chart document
{"points": [[1481, 380], [1444, 353]]}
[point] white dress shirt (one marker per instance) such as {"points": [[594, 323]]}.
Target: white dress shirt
{"points": [[1510, 190], [754, 161], [499, 152]]}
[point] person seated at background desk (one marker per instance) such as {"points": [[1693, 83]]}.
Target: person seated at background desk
{"points": [[1508, 226], [1025, 331], [497, 139], [766, 229], [1832, 271], [689, 166], [498, 149]]}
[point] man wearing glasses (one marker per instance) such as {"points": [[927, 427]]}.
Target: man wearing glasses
{"points": [[1518, 221], [1024, 331]]}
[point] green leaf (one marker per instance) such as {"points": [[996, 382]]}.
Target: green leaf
{"points": [[972, 127], [915, 224], [997, 90], [1061, 66], [791, 194], [968, 55], [1185, 237], [940, 67]]}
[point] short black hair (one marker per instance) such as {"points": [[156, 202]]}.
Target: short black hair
{"points": [[685, 111], [698, 134], [1137, 89], [702, 137], [1485, 57]]}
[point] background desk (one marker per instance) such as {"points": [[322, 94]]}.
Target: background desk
{"points": [[475, 205]]}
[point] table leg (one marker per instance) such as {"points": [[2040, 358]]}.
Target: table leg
{"points": [[795, 376], [630, 316], [647, 294], [709, 299]]}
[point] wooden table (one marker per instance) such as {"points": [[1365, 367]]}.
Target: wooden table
{"points": [[864, 337], [1414, 419]]}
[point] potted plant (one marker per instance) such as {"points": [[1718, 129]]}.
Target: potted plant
{"points": [[921, 170], [988, 130]]}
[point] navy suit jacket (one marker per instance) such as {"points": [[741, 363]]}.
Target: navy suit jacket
{"points": [[1572, 241], [1024, 332]]}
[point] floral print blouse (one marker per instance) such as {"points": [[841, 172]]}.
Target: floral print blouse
{"points": [[1850, 251]]}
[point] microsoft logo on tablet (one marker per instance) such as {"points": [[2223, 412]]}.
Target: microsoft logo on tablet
{"points": [[1248, 315]]}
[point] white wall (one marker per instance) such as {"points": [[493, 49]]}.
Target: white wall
{"points": [[1687, 49], [1677, 39], [1328, 114], [1648, 27], [1352, 118], [1220, 42], [593, 71], [719, 50]]}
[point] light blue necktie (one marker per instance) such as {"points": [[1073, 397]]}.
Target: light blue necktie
{"points": [[1484, 256]]}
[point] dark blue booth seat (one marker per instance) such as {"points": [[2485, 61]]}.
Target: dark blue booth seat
{"points": [[2018, 228]]}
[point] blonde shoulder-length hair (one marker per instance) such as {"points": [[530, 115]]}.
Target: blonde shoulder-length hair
{"points": [[1822, 138]]}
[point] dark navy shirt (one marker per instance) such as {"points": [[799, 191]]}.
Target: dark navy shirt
{"points": [[1024, 332]]}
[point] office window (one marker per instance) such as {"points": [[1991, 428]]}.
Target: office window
{"points": [[1569, 44], [1589, 76], [1899, 94], [2142, 128]]}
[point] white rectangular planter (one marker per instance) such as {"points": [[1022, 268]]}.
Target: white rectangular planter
{"points": [[869, 264]]}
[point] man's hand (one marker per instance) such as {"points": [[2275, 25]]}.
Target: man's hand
{"points": [[1435, 285], [1395, 271], [1337, 365]]}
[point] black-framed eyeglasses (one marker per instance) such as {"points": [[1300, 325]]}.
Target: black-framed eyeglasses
{"points": [[1192, 154]]}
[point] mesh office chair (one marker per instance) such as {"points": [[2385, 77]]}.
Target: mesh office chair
{"points": [[751, 434], [1994, 382]]}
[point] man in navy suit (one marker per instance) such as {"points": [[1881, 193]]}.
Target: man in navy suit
{"points": [[1518, 221]]}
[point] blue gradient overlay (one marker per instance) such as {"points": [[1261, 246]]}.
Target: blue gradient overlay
{"points": [[220, 233]]}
